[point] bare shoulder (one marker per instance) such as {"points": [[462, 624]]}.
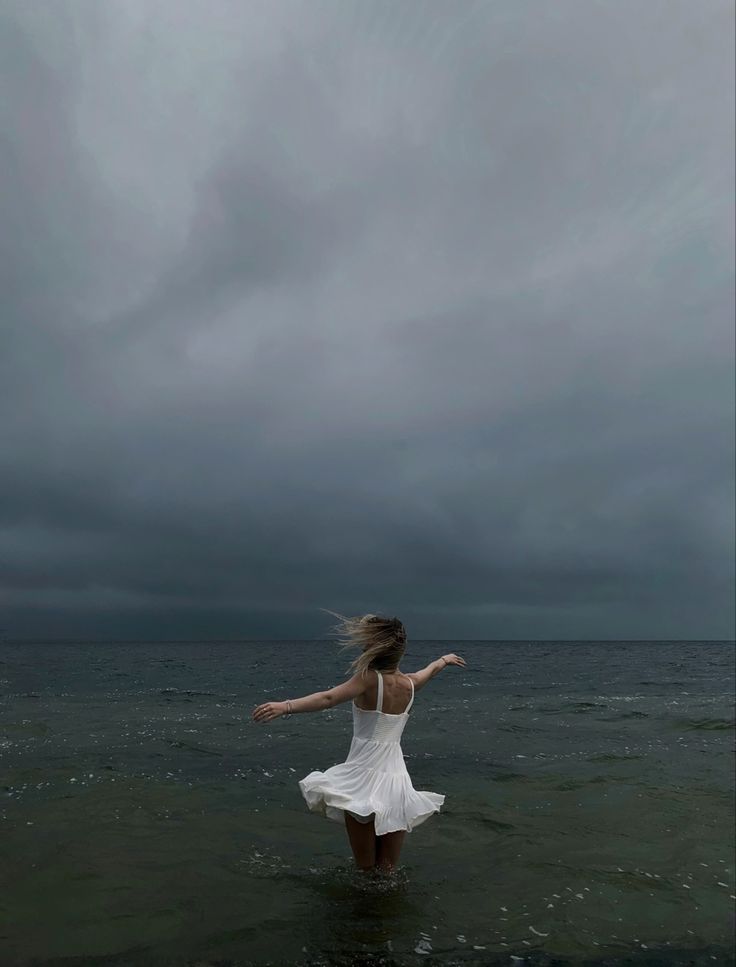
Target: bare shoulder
{"points": [[351, 688], [419, 679]]}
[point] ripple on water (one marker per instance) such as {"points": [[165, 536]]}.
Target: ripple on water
{"points": [[610, 757], [709, 725], [620, 716]]}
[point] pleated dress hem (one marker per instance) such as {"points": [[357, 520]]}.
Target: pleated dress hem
{"points": [[333, 804]]}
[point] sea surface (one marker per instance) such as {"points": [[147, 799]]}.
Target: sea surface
{"points": [[146, 819]]}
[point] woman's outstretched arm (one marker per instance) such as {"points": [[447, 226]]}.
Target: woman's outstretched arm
{"points": [[316, 702], [421, 677]]}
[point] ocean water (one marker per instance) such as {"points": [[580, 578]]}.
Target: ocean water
{"points": [[146, 819]]}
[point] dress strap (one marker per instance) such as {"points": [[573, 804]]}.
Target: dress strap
{"points": [[412, 696], [379, 703]]}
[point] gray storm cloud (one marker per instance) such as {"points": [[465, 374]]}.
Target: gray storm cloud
{"points": [[421, 307]]}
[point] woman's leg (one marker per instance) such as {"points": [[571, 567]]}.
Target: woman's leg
{"points": [[388, 848], [362, 838]]}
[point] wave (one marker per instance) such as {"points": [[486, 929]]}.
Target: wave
{"points": [[184, 691], [710, 725]]}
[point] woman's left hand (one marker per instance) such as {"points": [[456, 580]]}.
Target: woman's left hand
{"points": [[268, 711]]}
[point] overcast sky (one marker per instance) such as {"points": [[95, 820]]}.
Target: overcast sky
{"points": [[412, 306]]}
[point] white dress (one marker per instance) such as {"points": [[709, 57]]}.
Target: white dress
{"points": [[373, 780]]}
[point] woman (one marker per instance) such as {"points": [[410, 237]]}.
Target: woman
{"points": [[372, 790]]}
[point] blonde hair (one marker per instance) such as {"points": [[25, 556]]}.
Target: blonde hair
{"points": [[382, 641]]}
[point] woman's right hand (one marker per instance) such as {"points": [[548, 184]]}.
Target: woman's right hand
{"points": [[453, 660]]}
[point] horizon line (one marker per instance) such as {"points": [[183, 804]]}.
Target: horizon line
{"points": [[172, 641]]}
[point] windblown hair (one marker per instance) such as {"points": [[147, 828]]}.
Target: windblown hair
{"points": [[382, 641]]}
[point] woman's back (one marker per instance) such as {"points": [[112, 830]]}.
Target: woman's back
{"points": [[397, 693]]}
